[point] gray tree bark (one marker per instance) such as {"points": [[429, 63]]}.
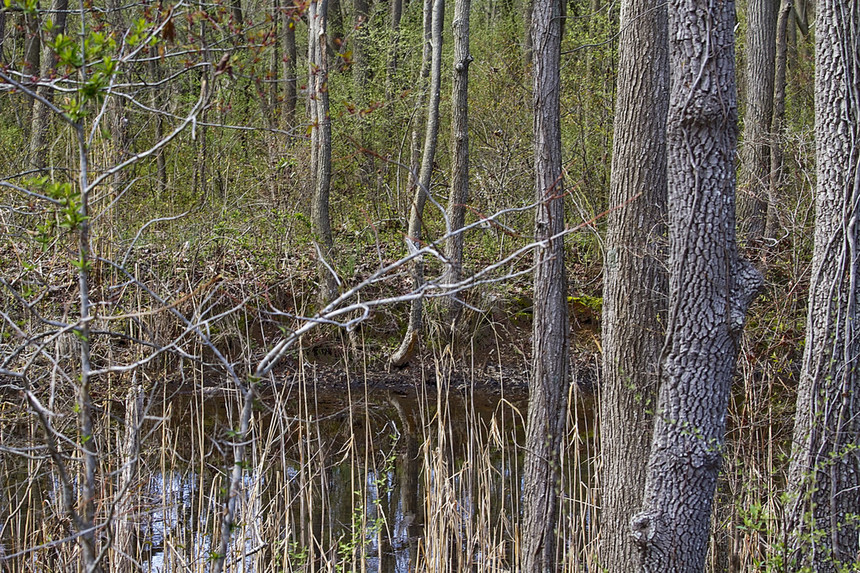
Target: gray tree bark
{"points": [[824, 475], [236, 10], [117, 116], [156, 100], [710, 289], [548, 391], [635, 279], [126, 528], [528, 41], [393, 49], [361, 77], [777, 124], [288, 28], [41, 116], [320, 144], [274, 87], [754, 200], [416, 213], [2, 35], [456, 211], [268, 113], [32, 44], [359, 44]]}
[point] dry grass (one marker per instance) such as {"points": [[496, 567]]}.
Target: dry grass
{"points": [[368, 480]]}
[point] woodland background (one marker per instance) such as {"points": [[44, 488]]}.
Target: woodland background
{"points": [[168, 215]]}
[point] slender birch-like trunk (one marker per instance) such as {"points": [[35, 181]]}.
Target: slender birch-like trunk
{"points": [[548, 388], [416, 213]]}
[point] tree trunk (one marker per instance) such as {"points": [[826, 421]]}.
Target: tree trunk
{"points": [[361, 77], [334, 29], [268, 113], [41, 116], [421, 88], [824, 475], [798, 22], [422, 189], [777, 126], [320, 144], [200, 185], [2, 35], [753, 202], [710, 289], [528, 41], [127, 528], [460, 149], [266, 99], [31, 45], [548, 392], [288, 25], [635, 281], [156, 99], [359, 45], [275, 62], [391, 68], [236, 10], [117, 116]]}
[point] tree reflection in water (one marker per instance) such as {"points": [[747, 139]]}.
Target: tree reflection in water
{"points": [[364, 478]]}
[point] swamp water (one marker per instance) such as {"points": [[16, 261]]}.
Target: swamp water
{"points": [[350, 477]]}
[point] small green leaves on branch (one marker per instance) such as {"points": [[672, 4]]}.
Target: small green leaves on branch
{"points": [[67, 50], [68, 199], [140, 31], [26, 6]]}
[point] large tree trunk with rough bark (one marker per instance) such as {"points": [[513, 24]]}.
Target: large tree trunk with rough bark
{"points": [[548, 390], [459, 149], [824, 476], [422, 189], [320, 145], [710, 289], [635, 281], [754, 202]]}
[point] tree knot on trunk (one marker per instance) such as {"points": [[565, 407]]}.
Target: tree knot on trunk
{"points": [[703, 109], [642, 527], [748, 283], [463, 64]]}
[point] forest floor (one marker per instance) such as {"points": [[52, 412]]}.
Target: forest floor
{"points": [[246, 297]]}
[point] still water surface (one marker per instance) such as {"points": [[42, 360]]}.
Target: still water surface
{"points": [[344, 478], [337, 478]]}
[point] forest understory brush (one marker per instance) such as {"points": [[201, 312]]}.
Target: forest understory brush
{"points": [[351, 466]]}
